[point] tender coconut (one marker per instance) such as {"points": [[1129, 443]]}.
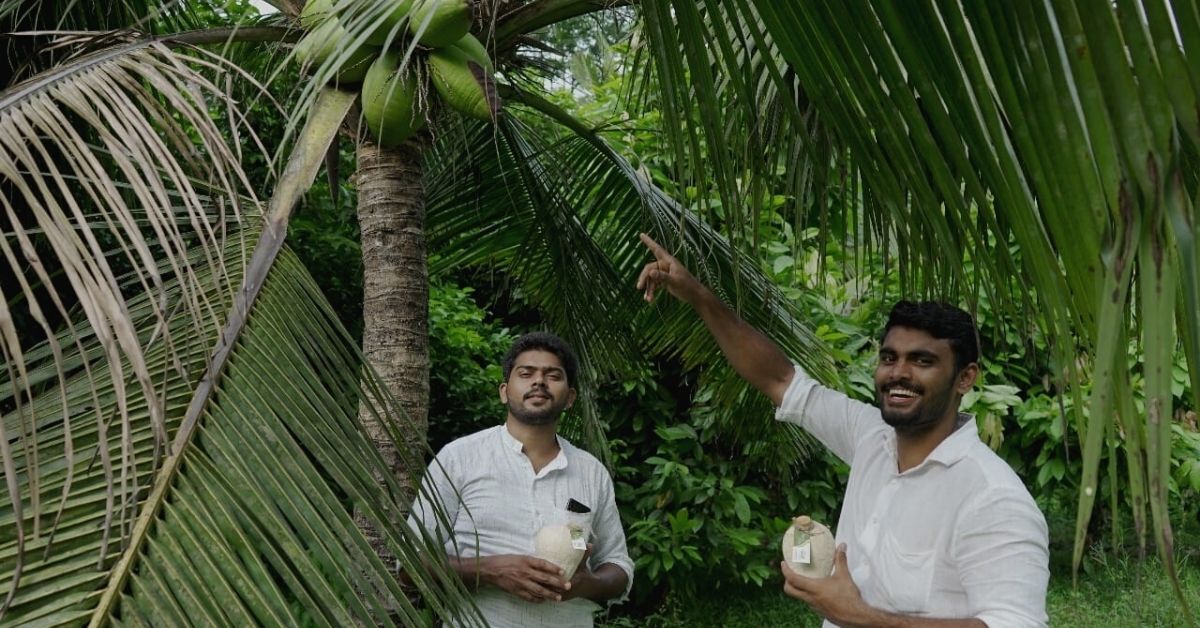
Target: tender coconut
{"points": [[315, 13], [808, 548], [463, 79], [391, 100], [325, 42], [389, 26], [438, 23], [562, 544]]}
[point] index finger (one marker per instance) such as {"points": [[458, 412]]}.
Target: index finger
{"points": [[654, 247]]}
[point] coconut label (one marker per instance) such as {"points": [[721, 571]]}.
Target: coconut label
{"points": [[802, 553], [577, 540]]}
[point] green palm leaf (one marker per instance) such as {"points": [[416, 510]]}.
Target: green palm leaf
{"points": [[560, 216], [187, 450]]}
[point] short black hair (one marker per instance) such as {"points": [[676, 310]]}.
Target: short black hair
{"points": [[940, 320], [543, 341]]}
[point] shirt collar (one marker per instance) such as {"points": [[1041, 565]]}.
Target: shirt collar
{"points": [[956, 445], [510, 442], [949, 451]]}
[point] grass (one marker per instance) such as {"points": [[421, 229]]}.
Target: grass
{"points": [[1111, 593]]}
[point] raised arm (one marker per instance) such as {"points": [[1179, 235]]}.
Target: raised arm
{"points": [[758, 360]]}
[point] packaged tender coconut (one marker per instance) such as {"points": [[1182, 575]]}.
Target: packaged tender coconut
{"points": [[808, 548], [563, 544]]}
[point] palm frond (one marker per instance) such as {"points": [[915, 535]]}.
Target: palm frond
{"points": [[560, 217], [186, 450], [54, 178]]}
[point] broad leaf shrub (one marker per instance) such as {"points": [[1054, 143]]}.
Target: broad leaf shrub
{"points": [[699, 507], [465, 349]]}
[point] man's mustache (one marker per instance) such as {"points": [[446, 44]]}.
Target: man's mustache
{"points": [[541, 392]]}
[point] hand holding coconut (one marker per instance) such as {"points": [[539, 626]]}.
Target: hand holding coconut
{"points": [[527, 577], [835, 597]]}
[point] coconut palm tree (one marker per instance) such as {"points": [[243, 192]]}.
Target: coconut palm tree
{"points": [[188, 386], [188, 434]]}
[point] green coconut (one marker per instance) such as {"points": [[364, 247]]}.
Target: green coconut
{"points": [[464, 82], [322, 44], [391, 22], [315, 13], [390, 100], [476, 51], [439, 23]]}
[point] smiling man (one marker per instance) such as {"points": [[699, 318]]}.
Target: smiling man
{"points": [[500, 485], [936, 530]]}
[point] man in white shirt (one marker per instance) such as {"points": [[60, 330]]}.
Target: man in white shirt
{"points": [[499, 486], [936, 530]]}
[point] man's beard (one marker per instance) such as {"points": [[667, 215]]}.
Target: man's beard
{"points": [[546, 415], [921, 419]]}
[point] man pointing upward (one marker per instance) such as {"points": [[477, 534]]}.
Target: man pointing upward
{"points": [[936, 530]]}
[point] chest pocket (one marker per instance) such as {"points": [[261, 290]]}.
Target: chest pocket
{"points": [[904, 576]]}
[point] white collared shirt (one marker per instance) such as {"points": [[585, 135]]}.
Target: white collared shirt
{"points": [[957, 536], [504, 503]]}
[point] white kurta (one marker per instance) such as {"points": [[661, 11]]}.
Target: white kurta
{"points": [[504, 503], [957, 536]]}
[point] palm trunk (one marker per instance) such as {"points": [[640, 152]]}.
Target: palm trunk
{"points": [[391, 215]]}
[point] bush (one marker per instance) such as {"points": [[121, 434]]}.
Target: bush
{"points": [[697, 507], [465, 349]]}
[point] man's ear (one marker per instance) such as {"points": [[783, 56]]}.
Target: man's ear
{"points": [[504, 393], [966, 378], [570, 398]]}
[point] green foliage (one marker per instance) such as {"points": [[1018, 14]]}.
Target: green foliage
{"points": [[465, 349], [698, 507], [325, 236], [692, 512]]}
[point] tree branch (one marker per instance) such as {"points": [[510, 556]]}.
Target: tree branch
{"points": [[235, 34]]}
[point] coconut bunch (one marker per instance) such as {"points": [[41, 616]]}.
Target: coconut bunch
{"points": [[396, 100]]}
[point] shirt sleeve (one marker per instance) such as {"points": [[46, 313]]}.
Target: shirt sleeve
{"points": [[833, 418], [436, 493], [609, 545], [1003, 555]]}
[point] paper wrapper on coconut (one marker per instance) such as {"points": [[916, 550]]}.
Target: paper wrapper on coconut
{"points": [[562, 544], [390, 101], [464, 82], [439, 23], [808, 548], [323, 44]]}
